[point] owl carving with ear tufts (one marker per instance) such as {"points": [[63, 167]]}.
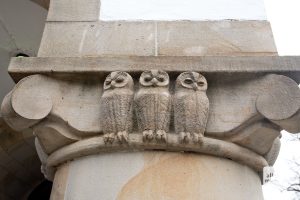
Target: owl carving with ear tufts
{"points": [[153, 105], [191, 106], [116, 107]]}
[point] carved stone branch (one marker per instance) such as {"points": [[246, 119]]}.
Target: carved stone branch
{"points": [[209, 146], [48, 172]]}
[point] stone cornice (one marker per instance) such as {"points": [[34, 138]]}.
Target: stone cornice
{"points": [[286, 65]]}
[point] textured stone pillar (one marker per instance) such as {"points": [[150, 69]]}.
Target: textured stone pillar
{"points": [[156, 175], [154, 109]]}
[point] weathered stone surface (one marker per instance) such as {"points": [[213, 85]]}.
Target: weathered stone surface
{"points": [[38, 104], [74, 10], [272, 155], [64, 108], [66, 116], [258, 136], [186, 38], [281, 102], [48, 172], [53, 136], [153, 104], [68, 111], [101, 38], [191, 106], [160, 175], [286, 65], [117, 107], [76, 109], [60, 183], [70, 104], [146, 38], [208, 146]]}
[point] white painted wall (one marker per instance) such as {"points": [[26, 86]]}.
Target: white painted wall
{"points": [[182, 9]]}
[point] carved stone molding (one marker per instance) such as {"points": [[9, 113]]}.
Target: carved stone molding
{"points": [[236, 116]]}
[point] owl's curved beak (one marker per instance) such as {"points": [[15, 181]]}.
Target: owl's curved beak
{"points": [[195, 86], [154, 81], [112, 84]]}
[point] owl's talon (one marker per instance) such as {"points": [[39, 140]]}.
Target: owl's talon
{"points": [[197, 138], [185, 137], [109, 138], [161, 136], [122, 137], [147, 135]]}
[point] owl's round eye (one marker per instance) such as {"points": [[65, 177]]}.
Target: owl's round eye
{"points": [[148, 79], [188, 81], [160, 79], [119, 80], [201, 83]]}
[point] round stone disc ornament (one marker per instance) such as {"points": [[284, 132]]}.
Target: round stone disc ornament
{"points": [[281, 99]]}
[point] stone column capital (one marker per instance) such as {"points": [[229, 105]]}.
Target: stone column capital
{"points": [[237, 116]]}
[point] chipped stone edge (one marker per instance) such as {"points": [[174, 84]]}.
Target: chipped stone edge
{"points": [[208, 146]]}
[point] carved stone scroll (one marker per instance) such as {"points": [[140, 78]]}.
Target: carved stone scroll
{"points": [[281, 104], [26, 104]]}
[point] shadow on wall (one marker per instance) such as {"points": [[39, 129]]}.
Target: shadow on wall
{"points": [[21, 28], [41, 192]]}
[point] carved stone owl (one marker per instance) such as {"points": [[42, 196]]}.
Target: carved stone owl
{"points": [[190, 106], [116, 107], [153, 105]]}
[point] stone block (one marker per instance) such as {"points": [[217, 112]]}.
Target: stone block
{"points": [[146, 38], [191, 38], [74, 10], [93, 39], [286, 65]]}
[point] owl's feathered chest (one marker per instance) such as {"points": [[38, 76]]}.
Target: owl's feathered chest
{"points": [[116, 112], [153, 109], [152, 92], [191, 101], [190, 94], [116, 101], [152, 97], [117, 94]]}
